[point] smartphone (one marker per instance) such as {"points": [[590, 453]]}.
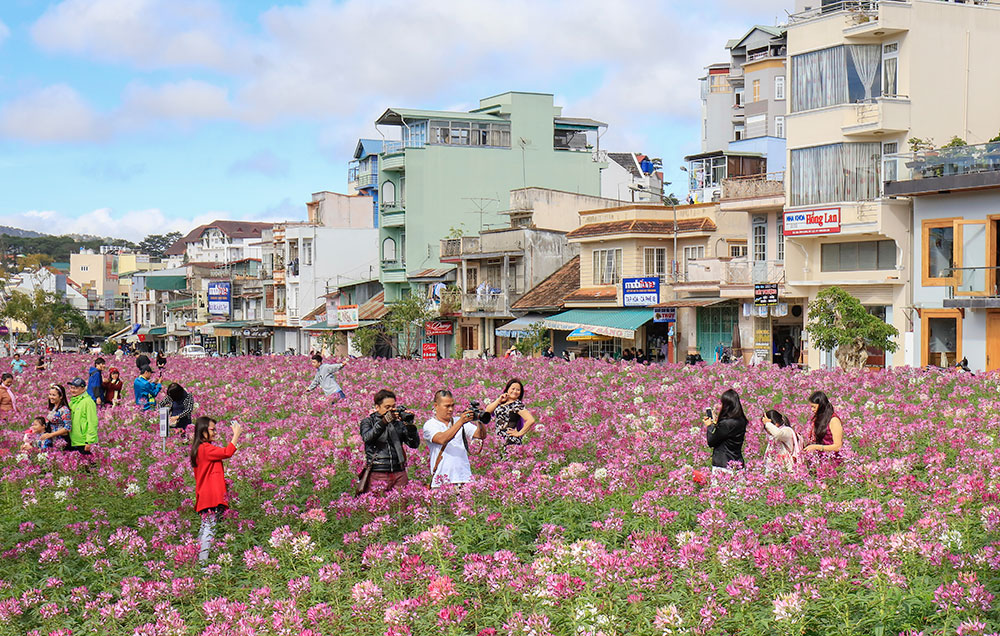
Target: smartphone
{"points": [[708, 413]]}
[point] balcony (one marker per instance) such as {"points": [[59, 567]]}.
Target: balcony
{"points": [[929, 171], [718, 274], [768, 188], [973, 288], [393, 272], [877, 118], [453, 249], [488, 304], [864, 18]]}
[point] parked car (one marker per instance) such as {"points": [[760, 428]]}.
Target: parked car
{"points": [[194, 351]]}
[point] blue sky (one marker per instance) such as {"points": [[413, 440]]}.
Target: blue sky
{"points": [[131, 117]]}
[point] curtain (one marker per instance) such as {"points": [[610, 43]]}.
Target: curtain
{"points": [[866, 59], [819, 79], [837, 172], [889, 88]]}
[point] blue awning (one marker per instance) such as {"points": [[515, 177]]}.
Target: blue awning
{"points": [[617, 323]]}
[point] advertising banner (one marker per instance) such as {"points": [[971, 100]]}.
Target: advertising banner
{"points": [[640, 292], [818, 221], [439, 328], [220, 298], [429, 351], [347, 316], [665, 314], [765, 294]]}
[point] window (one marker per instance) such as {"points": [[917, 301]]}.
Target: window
{"points": [[838, 75], [736, 250], [388, 250], [780, 239], [656, 261], [779, 87], [471, 281], [307, 252], [890, 69], [440, 132], [889, 168], [459, 133], [469, 338], [84, 268], [837, 172], [739, 98], [692, 254], [607, 266], [756, 90], [941, 337], [858, 256], [738, 133], [388, 193], [779, 126], [719, 83], [760, 238], [938, 244]]}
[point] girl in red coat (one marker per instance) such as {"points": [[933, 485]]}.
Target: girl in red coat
{"points": [[210, 482]]}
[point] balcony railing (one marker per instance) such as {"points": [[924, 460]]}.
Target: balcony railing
{"points": [[858, 11], [392, 147], [942, 162], [732, 272], [771, 184], [973, 282], [487, 303], [399, 204], [452, 248]]}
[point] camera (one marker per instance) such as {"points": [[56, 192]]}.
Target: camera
{"points": [[478, 414], [400, 413]]}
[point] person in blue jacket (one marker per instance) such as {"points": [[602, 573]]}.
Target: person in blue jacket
{"points": [[95, 382], [146, 390]]}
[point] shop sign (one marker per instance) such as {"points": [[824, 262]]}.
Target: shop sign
{"points": [[818, 221], [347, 316], [765, 294], [429, 351], [219, 297], [762, 340], [640, 292], [4, 331], [256, 333], [439, 328], [665, 314]]}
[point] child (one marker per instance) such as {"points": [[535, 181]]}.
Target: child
{"points": [[783, 444], [210, 482], [33, 436], [112, 387]]}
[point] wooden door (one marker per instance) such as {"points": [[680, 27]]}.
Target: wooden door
{"points": [[992, 340]]}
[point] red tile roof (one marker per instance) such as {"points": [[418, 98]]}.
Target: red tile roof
{"points": [[644, 226], [594, 293], [232, 229], [550, 293]]}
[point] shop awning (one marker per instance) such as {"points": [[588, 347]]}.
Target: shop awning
{"points": [[617, 323], [166, 283], [518, 327], [324, 326], [157, 331]]}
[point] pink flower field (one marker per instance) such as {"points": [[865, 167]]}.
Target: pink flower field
{"points": [[602, 523]]}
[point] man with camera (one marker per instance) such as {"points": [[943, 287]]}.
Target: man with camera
{"points": [[384, 432], [450, 456]]}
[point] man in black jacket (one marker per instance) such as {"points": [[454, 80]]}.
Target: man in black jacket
{"points": [[384, 432]]}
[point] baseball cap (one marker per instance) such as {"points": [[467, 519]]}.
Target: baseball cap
{"points": [[78, 383]]}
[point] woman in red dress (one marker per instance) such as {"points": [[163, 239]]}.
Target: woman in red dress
{"points": [[209, 478]]}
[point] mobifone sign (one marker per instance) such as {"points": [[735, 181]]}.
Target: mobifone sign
{"points": [[640, 292]]}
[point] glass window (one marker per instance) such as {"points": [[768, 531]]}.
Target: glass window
{"points": [[439, 132], [779, 87], [835, 172], [858, 256], [890, 69], [501, 135], [736, 250], [942, 341], [607, 266], [480, 134], [780, 239], [756, 90], [759, 239], [779, 127], [939, 252], [837, 75], [459, 133], [656, 261]]}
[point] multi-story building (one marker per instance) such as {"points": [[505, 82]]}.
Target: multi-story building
{"points": [[455, 170], [864, 79], [956, 222], [362, 172], [633, 177], [220, 242], [97, 276]]}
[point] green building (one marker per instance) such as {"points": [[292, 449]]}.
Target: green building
{"points": [[455, 170]]}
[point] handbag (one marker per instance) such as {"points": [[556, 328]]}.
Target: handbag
{"points": [[364, 480]]}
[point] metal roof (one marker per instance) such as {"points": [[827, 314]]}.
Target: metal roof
{"points": [[367, 147], [395, 116]]}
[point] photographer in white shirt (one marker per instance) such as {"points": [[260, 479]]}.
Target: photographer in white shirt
{"points": [[448, 438]]}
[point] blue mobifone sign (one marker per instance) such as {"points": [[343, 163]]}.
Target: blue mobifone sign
{"points": [[219, 298], [640, 292]]}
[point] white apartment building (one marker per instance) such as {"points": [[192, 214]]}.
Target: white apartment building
{"points": [[219, 242]]}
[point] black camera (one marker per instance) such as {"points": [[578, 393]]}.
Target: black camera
{"points": [[478, 414], [400, 413]]}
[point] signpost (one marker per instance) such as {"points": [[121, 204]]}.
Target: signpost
{"points": [[640, 292], [765, 294], [818, 221], [164, 420]]}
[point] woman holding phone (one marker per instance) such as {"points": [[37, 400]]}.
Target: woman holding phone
{"points": [[725, 433], [783, 442], [513, 421]]}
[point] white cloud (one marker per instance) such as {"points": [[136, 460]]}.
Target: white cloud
{"points": [[54, 113], [144, 33], [185, 101], [4, 32], [263, 162]]}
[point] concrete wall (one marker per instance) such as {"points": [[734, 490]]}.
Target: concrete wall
{"points": [[339, 255], [556, 209], [335, 210], [771, 147], [717, 119]]}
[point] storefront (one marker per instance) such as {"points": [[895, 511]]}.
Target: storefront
{"points": [[620, 327], [241, 337]]}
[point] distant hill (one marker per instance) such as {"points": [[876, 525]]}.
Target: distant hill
{"points": [[19, 233]]}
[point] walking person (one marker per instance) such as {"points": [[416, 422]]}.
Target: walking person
{"points": [[8, 403], [211, 498], [112, 387], [384, 432], [513, 421], [449, 458], [325, 379], [59, 420], [725, 433], [783, 444], [827, 429], [145, 389], [95, 382], [181, 405], [83, 433]]}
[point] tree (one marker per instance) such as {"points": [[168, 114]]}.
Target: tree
{"points": [[536, 340], [35, 262], [45, 314], [406, 321], [366, 340], [156, 245], [838, 322]]}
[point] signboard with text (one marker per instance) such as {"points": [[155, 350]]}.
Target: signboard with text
{"points": [[219, 297], [765, 294], [640, 292], [818, 221], [665, 314], [347, 316], [429, 351], [439, 328]]}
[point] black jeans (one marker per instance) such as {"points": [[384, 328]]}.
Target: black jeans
{"points": [[82, 449]]}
